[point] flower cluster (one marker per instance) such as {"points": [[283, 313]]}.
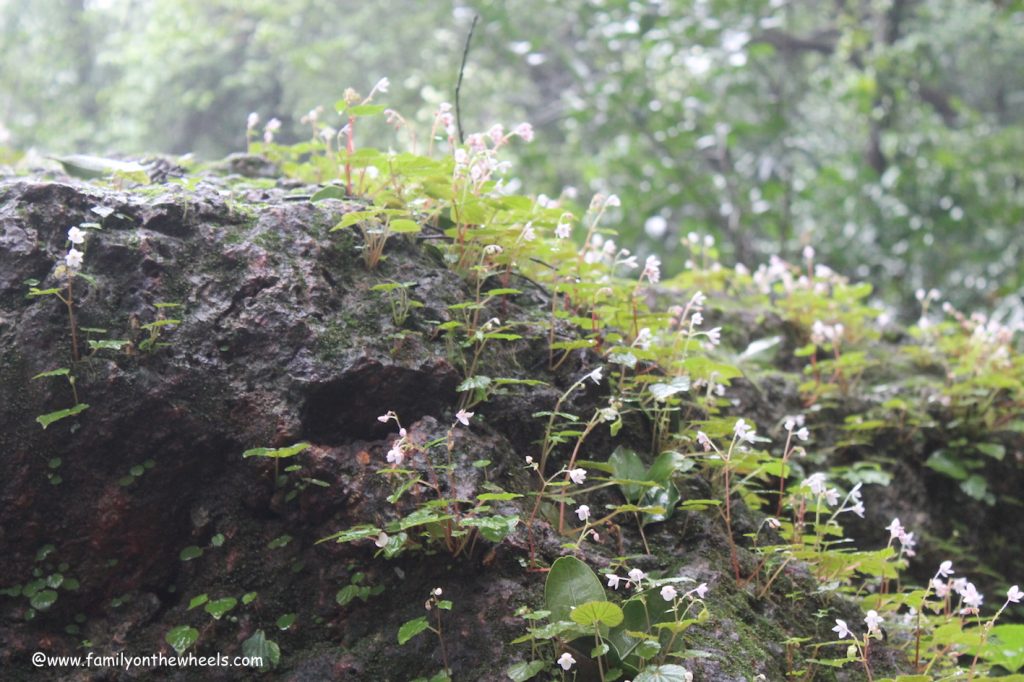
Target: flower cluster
{"points": [[906, 540], [73, 259]]}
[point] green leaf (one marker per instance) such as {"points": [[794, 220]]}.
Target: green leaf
{"points": [[411, 629], [946, 462], [493, 528], [360, 532], [663, 392], [218, 607], [627, 466], [276, 453], [280, 541], [570, 583], [662, 673], [365, 109], [520, 672], [286, 621], [404, 226], [265, 649], [43, 599], [993, 450], [497, 497], [249, 597], [47, 419], [594, 612], [108, 344], [182, 638], [329, 192], [190, 552], [198, 601], [63, 371]]}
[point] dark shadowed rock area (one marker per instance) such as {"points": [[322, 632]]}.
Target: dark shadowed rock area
{"points": [[280, 340]]}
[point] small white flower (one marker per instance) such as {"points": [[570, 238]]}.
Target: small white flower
{"points": [[697, 319], [566, 661], [76, 236], [841, 630], [1014, 594], [941, 588], [945, 569], [700, 590], [595, 376], [636, 575], [252, 121], [74, 258], [808, 252], [437, 592], [816, 482], [715, 336], [382, 540], [858, 509], [613, 201], [564, 228], [972, 598], [384, 418], [831, 497], [873, 620], [382, 85], [395, 454], [577, 476], [704, 441], [613, 581], [529, 459], [583, 511], [743, 431], [773, 523], [463, 417], [803, 434], [668, 593]]}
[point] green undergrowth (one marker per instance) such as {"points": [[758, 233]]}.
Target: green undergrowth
{"points": [[661, 415]]}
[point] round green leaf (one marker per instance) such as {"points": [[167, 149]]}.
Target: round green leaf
{"points": [[182, 638], [594, 612]]}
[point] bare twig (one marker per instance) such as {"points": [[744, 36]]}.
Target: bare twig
{"points": [[458, 84]]}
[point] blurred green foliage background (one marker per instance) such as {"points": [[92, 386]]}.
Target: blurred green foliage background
{"points": [[888, 134]]}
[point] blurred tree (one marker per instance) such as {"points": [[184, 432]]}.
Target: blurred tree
{"points": [[885, 133]]}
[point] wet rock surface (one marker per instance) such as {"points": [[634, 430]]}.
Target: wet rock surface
{"points": [[143, 502]]}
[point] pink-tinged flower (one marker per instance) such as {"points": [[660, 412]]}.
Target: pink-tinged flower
{"points": [[803, 434], [636, 575], [668, 593], [873, 620], [773, 523], [583, 511], [941, 588], [496, 133], [816, 483], [698, 299], [1014, 594], [76, 236], [577, 476], [525, 131], [382, 85], [700, 590], [895, 529], [74, 258], [613, 581], [564, 228], [715, 336], [613, 201], [463, 417], [831, 497], [273, 125], [566, 661], [384, 418], [945, 569], [704, 441], [652, 269], [697, 319], [252, 121], [382, 540], [841, 630], [858, 509], [808, 252]]}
